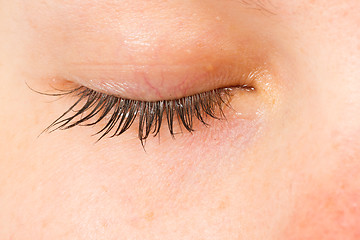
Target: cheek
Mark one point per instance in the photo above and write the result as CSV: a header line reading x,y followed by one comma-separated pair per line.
x,y
331,209
326,215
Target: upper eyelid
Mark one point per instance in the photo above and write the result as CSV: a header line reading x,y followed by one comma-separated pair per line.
x,y
161,82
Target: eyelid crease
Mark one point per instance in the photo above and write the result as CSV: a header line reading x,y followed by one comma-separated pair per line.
x,y
121,113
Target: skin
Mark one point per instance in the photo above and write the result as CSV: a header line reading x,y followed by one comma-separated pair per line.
x,y
285,165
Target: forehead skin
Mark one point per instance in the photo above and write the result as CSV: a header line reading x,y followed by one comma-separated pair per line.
x,y
299,181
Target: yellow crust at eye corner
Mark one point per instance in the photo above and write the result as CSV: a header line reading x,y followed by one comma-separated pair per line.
x,y
260,98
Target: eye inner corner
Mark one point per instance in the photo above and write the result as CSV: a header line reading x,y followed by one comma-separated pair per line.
x,y
248,88
243,87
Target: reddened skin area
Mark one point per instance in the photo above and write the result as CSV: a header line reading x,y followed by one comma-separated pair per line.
x,y
330,207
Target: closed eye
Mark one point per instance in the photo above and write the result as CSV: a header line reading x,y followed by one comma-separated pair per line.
x,y
118,114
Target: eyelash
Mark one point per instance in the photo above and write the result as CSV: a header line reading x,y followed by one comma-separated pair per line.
x,y
122,112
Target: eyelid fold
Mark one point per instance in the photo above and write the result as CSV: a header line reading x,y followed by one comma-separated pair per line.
x,y
167,63
162,73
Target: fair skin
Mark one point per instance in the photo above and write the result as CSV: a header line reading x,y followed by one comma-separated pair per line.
x,y
285,164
